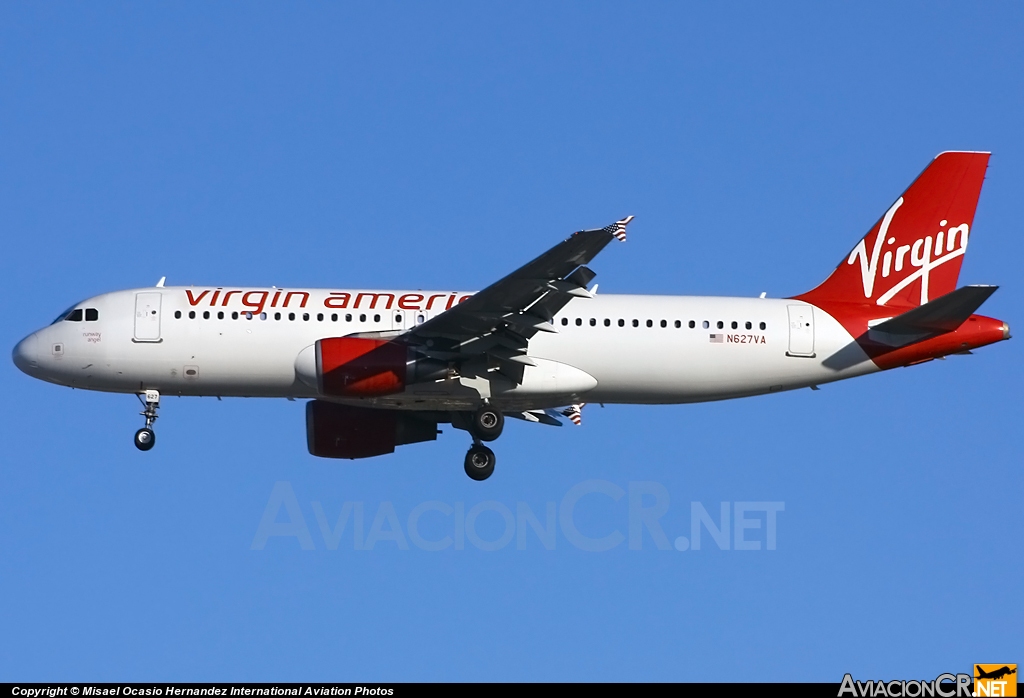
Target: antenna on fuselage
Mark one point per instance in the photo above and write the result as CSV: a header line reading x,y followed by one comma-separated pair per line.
x,y
160,283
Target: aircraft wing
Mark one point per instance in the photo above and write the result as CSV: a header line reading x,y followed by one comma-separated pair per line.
x,y
498,322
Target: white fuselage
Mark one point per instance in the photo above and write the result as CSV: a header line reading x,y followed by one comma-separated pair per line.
x,y
610,348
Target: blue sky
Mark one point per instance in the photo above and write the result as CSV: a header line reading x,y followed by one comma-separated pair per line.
x,y
442,145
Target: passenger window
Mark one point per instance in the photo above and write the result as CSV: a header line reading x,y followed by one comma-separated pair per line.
x,y
334,317
362,317
650,323
735,325
721,325
607,322
579,321
398,318
277,316
291,316
248,315
220,315
705,324
348,317
692,324
75,315
678,324
565,321
191,315
206,314
376,318
664,324
593,322
320,317
305,316
622,323
748,325
234,315
177,314
92,315
764,326
636,323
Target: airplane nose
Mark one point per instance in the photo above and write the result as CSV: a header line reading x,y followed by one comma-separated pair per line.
x,y
26,354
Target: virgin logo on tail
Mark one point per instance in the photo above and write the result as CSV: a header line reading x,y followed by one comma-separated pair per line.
x,y
920,240
924,254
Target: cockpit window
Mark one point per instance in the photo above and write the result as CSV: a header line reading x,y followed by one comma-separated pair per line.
x,y
63,315
74,314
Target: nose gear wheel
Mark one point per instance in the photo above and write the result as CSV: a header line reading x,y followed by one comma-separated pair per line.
x,y
145,438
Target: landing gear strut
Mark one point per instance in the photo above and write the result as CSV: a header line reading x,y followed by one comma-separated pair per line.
x,y
479,462
145,438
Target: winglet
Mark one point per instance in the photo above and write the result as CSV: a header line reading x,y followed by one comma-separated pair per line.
x,y
618,228
574,413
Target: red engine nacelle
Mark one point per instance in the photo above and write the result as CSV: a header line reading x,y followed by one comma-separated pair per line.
x,y
358,367
340,431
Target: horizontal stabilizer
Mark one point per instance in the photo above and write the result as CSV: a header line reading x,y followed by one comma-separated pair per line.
x,y
944,314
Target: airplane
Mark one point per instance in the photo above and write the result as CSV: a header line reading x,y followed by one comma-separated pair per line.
x,y
381,369
996,674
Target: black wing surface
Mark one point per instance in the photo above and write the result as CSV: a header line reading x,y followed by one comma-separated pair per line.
x,y
498,322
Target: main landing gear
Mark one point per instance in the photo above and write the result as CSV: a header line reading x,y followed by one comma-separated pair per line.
x,y
145,438
479,462
486,424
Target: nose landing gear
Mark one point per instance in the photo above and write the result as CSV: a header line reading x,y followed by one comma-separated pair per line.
x,y
145,438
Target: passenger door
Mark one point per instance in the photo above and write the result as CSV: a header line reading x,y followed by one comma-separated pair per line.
x,y
801,330
147,316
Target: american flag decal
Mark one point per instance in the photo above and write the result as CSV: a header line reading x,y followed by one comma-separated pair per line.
x,y
618,228
574,413
717,338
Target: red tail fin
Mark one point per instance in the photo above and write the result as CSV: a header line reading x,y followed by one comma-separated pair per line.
x,y
913,254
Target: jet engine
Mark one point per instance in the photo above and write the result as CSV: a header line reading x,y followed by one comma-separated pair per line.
x,y
361,367
341,431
